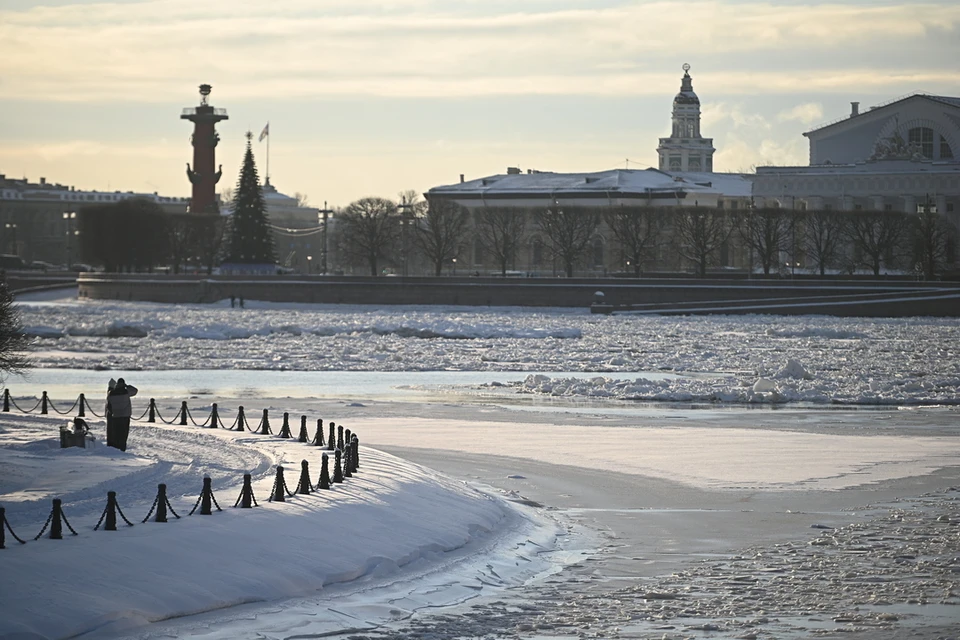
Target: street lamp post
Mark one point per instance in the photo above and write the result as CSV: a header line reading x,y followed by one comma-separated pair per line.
x,y
454,266
404,208
68,218
323,256
309,264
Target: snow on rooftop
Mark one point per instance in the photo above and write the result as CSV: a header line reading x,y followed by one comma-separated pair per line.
x,y
630,181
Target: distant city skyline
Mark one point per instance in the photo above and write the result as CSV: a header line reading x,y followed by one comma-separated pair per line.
x,y
366,98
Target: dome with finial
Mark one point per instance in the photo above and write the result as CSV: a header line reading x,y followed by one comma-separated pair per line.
x,y
686,95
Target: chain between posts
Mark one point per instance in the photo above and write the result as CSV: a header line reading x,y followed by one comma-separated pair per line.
x,y
63,413
21,409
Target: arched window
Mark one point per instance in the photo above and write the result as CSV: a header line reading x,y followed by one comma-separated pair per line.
x,y
923,138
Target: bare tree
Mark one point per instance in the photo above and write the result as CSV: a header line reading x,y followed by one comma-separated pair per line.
x,y
568,231
820,233
699,233
932,236
500,231
303,200
441,232
766,232
638,231
877,237
369,227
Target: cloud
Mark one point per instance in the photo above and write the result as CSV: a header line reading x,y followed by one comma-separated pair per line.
x,y
806,113
718,113
297,48
737,152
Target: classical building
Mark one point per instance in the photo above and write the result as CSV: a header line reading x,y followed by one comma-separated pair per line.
x,y
896,156
38,220
685,179
900,156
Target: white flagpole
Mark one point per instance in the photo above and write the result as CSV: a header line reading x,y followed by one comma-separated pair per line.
x,y
268,152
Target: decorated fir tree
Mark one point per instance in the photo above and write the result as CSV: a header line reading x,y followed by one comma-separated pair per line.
x,y
250,239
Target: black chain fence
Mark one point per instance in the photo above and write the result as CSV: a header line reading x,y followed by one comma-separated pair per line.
x,y
346,464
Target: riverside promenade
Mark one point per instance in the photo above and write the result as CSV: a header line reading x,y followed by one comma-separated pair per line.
x,y
862,297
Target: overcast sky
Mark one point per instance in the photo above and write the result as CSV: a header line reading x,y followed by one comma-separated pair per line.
x,y
371,98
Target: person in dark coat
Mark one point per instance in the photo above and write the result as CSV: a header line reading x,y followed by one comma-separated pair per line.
x,y
118,403
111,438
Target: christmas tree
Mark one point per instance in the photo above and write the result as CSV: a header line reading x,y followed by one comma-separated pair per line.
x,y
250,239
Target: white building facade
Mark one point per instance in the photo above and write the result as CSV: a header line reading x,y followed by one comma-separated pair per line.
x,y
896,156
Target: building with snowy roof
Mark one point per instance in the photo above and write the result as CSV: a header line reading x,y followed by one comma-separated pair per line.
x,y
899,156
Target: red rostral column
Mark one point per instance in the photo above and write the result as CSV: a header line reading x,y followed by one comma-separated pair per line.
x,y
202,176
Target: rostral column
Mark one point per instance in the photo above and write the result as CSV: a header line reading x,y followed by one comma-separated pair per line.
x,y
202,175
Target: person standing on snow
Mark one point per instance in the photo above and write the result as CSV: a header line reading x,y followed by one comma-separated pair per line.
x,y
111,438
118,403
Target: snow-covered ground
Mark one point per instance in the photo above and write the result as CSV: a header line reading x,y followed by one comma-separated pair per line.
x,y
388,522
724,359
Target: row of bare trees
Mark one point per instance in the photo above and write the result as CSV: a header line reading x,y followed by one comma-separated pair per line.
x,y
377,231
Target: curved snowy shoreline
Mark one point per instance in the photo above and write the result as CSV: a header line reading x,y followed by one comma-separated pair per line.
x,y
392,521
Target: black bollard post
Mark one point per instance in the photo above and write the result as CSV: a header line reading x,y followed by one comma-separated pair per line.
x,y
346,441
278,487
285,428
55,521
206,509
337,468
246,500
183,413
111,524
331,439
303,429
318,436
214,416
56,525
6,400
304,486
340,436
161,503
265,423
152,412
82,403
324,482
43,403
347,460
206,498
110,514
356,453
241,419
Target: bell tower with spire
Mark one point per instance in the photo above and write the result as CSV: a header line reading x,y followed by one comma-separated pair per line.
x,y
203,176
686,149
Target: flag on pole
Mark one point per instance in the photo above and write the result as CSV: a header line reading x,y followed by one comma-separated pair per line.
x,y
265,132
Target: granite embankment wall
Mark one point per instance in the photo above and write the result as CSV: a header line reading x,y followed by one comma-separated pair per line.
x,y
864,298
